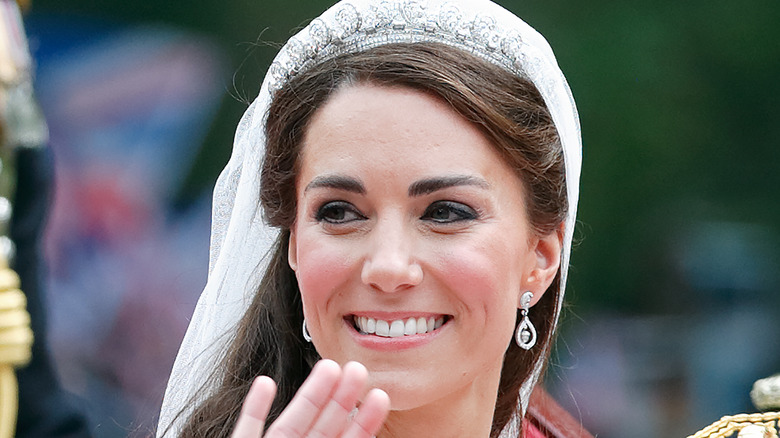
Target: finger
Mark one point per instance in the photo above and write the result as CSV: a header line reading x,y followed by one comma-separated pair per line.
x,y
335,416
308,403
255,409
371,415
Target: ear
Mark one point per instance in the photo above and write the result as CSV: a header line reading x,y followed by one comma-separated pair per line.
x,y
547,252
292,252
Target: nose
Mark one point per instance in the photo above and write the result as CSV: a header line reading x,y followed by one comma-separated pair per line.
x,y
390,265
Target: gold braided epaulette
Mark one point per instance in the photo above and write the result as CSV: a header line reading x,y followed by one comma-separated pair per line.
x,y
16,337
16,340
760,425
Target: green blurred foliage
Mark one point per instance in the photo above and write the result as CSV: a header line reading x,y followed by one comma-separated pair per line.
x,y
678,103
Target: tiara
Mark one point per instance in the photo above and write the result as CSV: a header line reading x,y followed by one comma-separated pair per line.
x,y
347,29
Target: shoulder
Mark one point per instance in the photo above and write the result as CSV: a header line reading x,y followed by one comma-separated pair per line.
x,y
547,419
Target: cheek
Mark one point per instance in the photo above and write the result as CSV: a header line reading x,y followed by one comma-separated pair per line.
x,y
322,268
484,275
486,288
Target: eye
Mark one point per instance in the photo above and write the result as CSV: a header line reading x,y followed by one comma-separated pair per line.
x,y
449,212
338,212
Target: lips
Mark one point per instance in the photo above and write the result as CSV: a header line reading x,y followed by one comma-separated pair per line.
x,y
399,327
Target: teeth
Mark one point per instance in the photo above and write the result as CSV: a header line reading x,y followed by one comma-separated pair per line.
x,y
410,328
382,328
422,326
396,329
399,327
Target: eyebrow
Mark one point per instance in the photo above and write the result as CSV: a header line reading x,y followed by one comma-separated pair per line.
x,y
430,185
418,188
339,182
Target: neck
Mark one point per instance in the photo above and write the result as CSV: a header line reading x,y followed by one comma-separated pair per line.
x,y
465,412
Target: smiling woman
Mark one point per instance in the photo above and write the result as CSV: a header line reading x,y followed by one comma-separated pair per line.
x,y
424,183
436,230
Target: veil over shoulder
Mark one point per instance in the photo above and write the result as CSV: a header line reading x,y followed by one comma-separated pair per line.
x,y
240,240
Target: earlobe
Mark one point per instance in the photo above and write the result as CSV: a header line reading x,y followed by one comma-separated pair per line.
x,y
292,252
547,251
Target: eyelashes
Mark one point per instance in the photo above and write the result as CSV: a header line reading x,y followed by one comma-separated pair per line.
x,y
439,212
445,212
338,212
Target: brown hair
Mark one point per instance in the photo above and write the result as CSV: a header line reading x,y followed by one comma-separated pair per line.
x,y
510,112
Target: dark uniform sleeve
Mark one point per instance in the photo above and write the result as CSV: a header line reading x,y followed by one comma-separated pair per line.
x,y
45,409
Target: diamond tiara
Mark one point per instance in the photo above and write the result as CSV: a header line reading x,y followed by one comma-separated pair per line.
x,y
346,29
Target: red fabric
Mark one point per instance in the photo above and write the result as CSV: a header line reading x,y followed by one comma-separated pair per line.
x,y
549,419
531,431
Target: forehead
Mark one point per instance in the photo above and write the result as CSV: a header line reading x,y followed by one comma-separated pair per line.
x,y
394,129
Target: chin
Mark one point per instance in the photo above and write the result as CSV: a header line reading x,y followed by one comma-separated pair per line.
x,y
410,394
402,400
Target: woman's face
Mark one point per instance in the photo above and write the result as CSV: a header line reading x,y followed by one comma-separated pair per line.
x,y
411,244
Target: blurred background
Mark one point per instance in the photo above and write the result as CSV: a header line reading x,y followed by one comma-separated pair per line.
x,y
673,303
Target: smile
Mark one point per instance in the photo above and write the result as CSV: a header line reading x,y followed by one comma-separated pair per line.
x,y
399,327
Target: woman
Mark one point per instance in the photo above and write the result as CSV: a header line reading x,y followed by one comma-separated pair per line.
x,y
420,161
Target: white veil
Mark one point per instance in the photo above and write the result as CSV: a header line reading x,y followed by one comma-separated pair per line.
x,y
240,241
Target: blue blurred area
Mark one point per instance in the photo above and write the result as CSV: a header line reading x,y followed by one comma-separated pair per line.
x,y
672,373
128,107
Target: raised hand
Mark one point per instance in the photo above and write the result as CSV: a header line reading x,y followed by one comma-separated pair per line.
x,y
322,407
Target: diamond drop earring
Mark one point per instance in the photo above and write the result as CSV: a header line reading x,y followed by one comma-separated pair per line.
x,y
306,335
525,335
